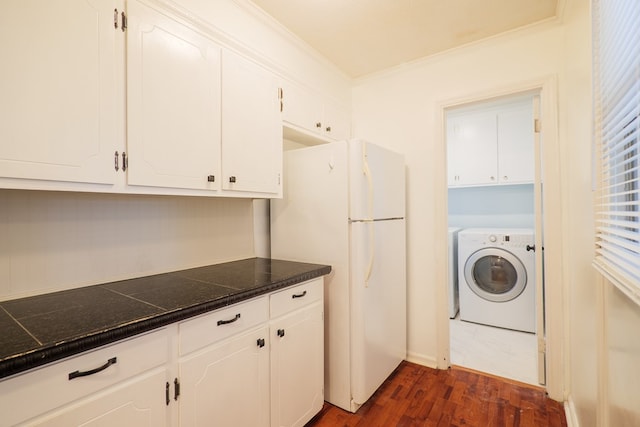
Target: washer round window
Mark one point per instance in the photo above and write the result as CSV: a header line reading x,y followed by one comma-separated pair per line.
x,y
495,274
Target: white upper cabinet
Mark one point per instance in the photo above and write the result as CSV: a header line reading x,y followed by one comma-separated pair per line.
x,y
311,115
251,127
491,146
173,103
57,80
516,161
472,145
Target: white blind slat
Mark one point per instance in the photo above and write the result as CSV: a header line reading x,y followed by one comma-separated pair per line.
x,y
616,71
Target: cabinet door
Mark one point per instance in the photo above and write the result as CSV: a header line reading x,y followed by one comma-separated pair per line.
x,y
173,103
337,122
297,367
301,108
227,385
57,80
251,127
515,144
139,402
474,157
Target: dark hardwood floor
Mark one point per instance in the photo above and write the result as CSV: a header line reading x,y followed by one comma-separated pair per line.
x,y
415,396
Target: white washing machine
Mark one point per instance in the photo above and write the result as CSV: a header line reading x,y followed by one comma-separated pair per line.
x,y
496,272
453,272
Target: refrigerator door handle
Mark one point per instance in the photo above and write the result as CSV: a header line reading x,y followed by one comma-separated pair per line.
x,y
367,173
371,255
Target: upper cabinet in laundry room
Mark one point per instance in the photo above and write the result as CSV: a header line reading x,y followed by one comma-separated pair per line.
x,y
58,86
491,145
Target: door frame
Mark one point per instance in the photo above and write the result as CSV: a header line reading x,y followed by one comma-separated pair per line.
x,y
554,313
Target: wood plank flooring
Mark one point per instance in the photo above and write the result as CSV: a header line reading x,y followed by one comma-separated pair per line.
x,y
417,396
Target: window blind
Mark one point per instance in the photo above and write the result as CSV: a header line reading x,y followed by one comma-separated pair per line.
x,y
616,66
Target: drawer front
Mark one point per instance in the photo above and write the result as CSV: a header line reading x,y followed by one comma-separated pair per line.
x,y
296,297
36,392
209,328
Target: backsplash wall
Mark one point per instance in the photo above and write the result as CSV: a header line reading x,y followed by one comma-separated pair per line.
x,y
55,240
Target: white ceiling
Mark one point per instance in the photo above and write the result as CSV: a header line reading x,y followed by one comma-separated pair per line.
x,y
364,36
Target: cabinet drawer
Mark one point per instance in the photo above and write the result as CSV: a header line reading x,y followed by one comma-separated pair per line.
x,y
41,390
295,297
211,327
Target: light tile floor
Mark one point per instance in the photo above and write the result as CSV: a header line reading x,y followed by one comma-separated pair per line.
x,y
501,352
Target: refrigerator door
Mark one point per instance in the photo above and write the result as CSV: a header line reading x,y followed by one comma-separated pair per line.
x,y
376,182
378,305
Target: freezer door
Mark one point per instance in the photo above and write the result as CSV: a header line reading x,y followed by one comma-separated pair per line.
x,y
378,304
376,182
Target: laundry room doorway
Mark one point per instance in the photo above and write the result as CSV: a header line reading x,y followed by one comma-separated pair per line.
x,y
495,280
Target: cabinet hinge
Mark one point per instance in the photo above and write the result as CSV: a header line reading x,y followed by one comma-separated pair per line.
x,y
281,97
279,179
176,389
542,345
537,125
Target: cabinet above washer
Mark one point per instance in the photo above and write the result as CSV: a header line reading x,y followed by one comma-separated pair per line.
x,y
491,145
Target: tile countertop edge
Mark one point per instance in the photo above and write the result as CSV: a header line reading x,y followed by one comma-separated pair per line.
x,y
42,356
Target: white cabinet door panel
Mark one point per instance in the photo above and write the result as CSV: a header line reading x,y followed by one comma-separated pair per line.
x,y
227,384
251,127
515,145
474,138
297,367
173,100
140,402
57,80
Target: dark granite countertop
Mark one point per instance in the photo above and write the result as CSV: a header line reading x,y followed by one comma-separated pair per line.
x,y
41,329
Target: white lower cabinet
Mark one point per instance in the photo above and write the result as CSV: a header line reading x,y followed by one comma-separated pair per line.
x,y
257,363
227,385
137,402
271,374
121,384
297,366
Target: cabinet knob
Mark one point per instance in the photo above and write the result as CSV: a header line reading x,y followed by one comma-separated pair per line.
x,y
211,178
493,178
260,342
280,333
328,128
232,179
505,177
318,125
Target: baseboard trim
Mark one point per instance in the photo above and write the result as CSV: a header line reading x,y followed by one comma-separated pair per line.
x,y
421,359
570,413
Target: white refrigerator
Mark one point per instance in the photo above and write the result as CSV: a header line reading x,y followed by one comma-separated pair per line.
x,y
344,205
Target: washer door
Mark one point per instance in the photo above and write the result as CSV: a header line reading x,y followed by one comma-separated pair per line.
x,y
495,274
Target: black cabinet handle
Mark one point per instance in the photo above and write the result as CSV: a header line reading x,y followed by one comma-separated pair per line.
x,y
232,179
299,295
166,393
226,322
260,342
280,333
531,248
76,374
211,178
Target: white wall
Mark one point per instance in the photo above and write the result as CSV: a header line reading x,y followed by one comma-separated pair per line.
x,y
399,109
498,206
54,240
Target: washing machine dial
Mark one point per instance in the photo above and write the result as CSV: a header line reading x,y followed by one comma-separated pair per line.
x,y
493,238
